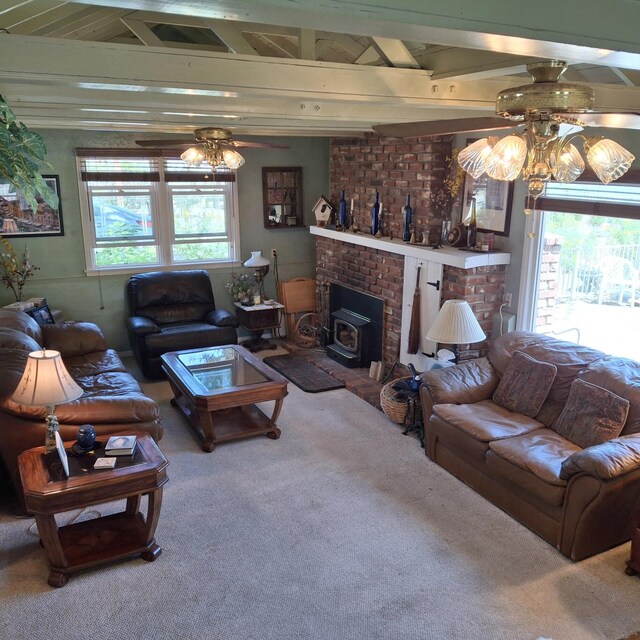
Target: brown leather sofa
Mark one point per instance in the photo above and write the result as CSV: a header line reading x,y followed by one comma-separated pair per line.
x,y
112,400
174,310
581,500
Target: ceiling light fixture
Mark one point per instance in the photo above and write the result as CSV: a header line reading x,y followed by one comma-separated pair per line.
x,y
540,154
214,150
543,152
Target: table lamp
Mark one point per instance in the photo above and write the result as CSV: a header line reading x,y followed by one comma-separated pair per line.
x,y
46,382
455,324
260,266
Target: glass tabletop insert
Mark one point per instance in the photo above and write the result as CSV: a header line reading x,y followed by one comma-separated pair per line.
x,y
221,368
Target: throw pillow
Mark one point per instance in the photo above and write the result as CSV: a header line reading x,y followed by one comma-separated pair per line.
x,y
525,384
592,415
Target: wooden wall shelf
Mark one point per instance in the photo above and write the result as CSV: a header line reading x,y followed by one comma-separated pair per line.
x,y
282,197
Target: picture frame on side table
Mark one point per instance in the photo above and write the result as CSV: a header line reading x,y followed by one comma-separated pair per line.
x,y
62,453
494,199
18,220
42,315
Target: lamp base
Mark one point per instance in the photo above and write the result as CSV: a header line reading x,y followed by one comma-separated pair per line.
x,y
52,427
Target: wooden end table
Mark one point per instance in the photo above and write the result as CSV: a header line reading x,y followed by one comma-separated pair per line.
x,y
77,546
258,318
216,390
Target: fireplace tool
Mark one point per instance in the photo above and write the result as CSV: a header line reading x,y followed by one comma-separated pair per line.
x,y
323,295
414,329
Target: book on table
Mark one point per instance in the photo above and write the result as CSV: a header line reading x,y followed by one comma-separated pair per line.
x,y
120,446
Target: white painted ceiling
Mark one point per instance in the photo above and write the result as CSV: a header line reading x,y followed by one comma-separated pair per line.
x,y
296,67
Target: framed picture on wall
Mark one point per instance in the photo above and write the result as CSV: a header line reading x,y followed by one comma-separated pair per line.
x,y
18,219
494,199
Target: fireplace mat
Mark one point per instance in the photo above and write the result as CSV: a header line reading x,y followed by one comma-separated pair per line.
x,y
303,374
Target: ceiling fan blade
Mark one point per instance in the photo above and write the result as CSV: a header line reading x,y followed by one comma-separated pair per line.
x,y
441,127
613,120
240,143
181,142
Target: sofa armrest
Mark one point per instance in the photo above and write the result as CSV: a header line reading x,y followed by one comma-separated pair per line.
x,y
74,338
222,318
468,382
606,461
141,326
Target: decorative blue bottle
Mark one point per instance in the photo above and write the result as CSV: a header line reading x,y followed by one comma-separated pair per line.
x,y
342,212
375,216
407,214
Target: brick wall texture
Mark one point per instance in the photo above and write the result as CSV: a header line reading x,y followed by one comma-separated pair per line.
x,y
395,168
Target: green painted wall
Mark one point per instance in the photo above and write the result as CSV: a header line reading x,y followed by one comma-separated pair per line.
x,y
62,279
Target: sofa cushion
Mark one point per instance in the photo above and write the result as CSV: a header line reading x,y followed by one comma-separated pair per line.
x,y
532,462
74,338
592,415
622,376
12,365
21,322
525,384
191,335
168,313
92,363
485,420
568,358
14,339
541,452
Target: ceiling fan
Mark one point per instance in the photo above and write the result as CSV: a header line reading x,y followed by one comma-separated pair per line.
x,y
212,145
542,150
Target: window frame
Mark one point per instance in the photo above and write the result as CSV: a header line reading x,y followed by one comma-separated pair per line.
x,y
162,216
534,236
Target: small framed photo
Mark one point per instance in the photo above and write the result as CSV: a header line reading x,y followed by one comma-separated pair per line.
x,y
19,220
494,199
62,453
42,315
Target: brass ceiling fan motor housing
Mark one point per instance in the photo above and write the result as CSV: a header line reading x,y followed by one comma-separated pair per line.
x,y
212,134
546,95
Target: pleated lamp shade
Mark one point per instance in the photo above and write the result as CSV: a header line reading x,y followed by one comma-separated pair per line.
x,y
456,324
46,381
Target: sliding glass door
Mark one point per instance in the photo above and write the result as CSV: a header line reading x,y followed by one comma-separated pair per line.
x,y
585,285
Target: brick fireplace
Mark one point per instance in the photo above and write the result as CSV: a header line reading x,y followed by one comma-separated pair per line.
x,y
386,267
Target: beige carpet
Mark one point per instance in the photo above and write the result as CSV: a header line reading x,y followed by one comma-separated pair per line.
x,y
342,529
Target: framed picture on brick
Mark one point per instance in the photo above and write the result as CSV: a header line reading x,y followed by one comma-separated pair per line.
x,y
494,199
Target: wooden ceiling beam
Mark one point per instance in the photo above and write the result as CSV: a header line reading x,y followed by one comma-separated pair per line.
x,y
395,53
307,44
142,32
231,36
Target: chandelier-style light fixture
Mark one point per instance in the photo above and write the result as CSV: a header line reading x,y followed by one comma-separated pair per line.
x,y
540,153
213,148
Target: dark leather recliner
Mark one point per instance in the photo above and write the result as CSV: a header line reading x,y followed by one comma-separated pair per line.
x,y
171,311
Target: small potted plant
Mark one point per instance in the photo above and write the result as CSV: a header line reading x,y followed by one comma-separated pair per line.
x,y
242,288
15,272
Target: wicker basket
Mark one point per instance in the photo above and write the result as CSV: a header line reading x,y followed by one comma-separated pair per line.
x,y
399,410
307,330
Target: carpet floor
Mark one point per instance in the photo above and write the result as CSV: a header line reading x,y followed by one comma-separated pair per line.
x,y
341,529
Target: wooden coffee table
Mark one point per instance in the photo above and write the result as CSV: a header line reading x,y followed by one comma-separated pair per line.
x,y
48,491
217,388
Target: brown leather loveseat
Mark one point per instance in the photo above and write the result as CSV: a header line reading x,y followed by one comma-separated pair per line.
x,y
570,469
112,401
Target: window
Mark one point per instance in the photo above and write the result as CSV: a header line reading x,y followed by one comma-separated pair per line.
x,y
584,278
143,210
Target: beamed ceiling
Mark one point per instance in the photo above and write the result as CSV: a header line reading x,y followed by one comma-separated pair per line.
x,y
286,67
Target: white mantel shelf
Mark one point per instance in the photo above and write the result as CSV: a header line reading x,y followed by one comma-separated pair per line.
x,y
446,255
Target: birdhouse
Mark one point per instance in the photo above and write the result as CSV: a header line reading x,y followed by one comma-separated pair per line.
x,y
322,210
